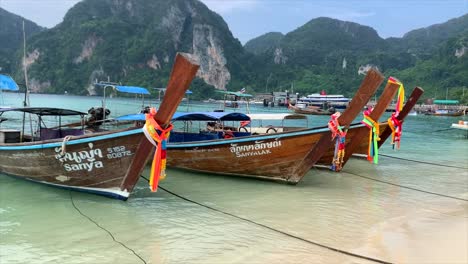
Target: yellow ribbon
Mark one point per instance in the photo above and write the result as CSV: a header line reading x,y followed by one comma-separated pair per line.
x,y
374,132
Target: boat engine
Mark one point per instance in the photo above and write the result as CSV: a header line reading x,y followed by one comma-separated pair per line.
x,y
145,110
96,116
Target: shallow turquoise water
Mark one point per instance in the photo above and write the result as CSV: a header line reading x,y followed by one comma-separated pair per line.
x,y
415,213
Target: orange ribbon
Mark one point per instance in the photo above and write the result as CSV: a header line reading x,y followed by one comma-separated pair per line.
x,y
158,137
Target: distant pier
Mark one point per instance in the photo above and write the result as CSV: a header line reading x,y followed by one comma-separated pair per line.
x,y
424,108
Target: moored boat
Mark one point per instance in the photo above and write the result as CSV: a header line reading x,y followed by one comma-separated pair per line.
x,y
336,101
108,163
77,159
278,156
393,127
274,156
461,125
304,109
338,137
445,112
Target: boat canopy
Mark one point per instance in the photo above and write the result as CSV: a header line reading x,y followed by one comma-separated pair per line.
x,y
238,94
211,116
7,83
132,89
446,102
193,116
279,116
43,111
125,89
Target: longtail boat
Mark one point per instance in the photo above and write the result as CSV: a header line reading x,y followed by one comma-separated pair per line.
x,y
446,112
277,156
315,110
108,163
361,148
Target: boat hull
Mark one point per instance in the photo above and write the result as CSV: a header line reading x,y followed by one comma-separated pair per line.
x,y
272,156
446,113
97,163
312,112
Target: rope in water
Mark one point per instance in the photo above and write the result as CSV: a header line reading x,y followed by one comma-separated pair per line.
x,y
424,162
101,227
407,187
439,130
276,230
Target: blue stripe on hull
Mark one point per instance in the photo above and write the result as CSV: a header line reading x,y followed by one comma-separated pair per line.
x,y
73,142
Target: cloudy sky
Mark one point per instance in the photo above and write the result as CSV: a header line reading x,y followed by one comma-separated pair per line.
x,y
248,19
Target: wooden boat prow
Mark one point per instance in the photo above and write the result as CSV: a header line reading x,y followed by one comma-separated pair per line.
x,y
360,148
368,87
108,163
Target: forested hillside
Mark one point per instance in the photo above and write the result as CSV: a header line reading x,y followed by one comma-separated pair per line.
x,y
135,41
330,54
11,37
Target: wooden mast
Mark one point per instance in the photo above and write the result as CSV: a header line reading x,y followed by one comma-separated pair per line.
x,y
368,87
384,100
26,84
417,92
25,69
184,70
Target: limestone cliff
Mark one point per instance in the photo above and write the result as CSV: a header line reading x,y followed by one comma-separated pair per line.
x,y
131,41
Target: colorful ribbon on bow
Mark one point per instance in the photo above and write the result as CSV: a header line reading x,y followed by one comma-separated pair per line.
x,y
373,150
400,96
395,124
158,137
340,135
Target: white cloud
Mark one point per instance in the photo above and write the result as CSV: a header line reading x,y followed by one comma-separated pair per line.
x,y
226,6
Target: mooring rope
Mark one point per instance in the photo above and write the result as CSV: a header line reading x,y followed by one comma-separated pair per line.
x,y
274,229
439,130
64,144
424,162
407,187
101,227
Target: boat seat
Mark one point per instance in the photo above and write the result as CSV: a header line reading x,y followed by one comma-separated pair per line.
x,y
48,133
71,132
10,136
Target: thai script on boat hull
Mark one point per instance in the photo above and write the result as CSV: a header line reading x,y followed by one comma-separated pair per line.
x,y
257,149
80,160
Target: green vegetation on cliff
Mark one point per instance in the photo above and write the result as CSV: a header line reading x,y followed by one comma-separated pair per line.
x,y
11,36
134,42
328,54
268,41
